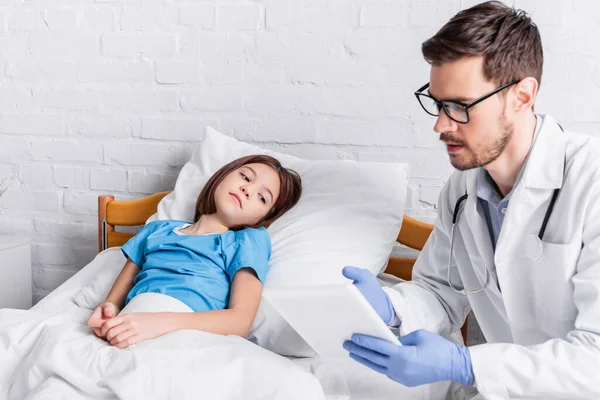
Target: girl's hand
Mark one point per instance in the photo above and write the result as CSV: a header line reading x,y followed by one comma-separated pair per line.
x,y
126,330
101,314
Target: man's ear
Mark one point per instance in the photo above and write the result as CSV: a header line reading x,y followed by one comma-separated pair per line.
x,y
525,94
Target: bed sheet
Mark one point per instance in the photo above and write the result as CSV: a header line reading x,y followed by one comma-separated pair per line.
x,y
340,379
349,380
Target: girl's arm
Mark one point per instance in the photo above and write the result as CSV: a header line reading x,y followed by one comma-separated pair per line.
x,y
123,284
246,291
115,300
244,299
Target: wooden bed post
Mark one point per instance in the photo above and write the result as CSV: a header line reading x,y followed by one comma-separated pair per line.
x,y
103,226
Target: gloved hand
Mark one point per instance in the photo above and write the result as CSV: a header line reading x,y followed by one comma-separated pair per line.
x,y
370,288
425,357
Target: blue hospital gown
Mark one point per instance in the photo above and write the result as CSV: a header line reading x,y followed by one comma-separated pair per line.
x,y
195,269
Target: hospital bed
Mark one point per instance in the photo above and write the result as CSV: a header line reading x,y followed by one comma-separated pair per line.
x,y
343,379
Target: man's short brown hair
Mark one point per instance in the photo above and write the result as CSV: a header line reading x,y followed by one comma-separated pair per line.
x,y
507,39
289,192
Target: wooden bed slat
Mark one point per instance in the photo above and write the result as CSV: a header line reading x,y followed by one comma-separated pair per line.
x,y
116,239
400,267
132,212
414,233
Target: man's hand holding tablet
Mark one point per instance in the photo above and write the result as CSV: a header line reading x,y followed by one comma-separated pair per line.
x,y
415,359
369,287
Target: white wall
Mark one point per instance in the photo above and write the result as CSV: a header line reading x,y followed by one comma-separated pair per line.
x,y
109,96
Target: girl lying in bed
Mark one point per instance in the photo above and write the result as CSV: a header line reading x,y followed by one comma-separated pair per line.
x,y
209,272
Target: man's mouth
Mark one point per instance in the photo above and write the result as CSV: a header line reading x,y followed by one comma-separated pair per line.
x,y
237,198
453,147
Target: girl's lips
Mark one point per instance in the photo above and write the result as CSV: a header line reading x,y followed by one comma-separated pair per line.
x,y
237,198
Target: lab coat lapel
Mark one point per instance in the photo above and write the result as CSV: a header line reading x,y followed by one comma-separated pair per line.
x,y
543,173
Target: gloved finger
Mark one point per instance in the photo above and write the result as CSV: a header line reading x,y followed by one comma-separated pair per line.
x,y
365,362
373,356
376,344
354,273
414,338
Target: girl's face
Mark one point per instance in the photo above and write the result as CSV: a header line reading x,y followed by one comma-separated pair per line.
x,y
247,194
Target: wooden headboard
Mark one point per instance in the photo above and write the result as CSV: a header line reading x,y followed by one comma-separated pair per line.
x,y
112,213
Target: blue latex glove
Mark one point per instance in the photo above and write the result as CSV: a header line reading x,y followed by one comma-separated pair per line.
x,y
370,288
425,357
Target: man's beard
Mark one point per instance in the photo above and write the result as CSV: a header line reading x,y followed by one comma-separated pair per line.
x,y
487,152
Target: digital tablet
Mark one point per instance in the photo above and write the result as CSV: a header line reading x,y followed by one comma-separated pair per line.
x,y
326,316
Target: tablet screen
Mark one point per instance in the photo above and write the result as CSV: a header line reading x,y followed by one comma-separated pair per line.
x,y
326,316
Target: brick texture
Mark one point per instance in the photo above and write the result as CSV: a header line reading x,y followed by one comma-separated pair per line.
x,y
111,96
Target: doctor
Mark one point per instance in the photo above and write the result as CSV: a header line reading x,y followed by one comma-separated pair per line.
x,y
517,236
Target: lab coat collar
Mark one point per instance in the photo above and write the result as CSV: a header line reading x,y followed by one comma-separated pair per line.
x,y
545,166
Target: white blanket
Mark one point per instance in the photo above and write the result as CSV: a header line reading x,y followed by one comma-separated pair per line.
x,y
57,357
340,380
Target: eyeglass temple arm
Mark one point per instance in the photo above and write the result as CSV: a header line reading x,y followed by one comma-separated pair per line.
x,y
487,96
425,86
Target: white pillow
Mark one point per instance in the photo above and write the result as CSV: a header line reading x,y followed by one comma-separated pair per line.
x,y
350,213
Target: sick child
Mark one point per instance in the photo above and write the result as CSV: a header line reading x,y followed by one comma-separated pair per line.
x,y
207,274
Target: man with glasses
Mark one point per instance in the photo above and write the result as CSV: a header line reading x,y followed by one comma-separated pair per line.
x,y
517,236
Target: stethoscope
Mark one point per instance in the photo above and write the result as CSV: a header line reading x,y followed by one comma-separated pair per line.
x,y
533,245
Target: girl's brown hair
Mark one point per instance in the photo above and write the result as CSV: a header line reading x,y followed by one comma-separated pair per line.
x,y
289,193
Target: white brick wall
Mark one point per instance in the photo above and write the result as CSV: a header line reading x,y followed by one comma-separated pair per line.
x,y
109,96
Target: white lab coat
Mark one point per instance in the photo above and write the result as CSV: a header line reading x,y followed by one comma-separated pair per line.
x,y
543,326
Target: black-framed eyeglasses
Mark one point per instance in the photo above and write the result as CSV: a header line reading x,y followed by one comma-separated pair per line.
x,y
456,111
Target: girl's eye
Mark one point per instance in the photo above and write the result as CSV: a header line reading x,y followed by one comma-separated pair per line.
x,y
245,177
263,200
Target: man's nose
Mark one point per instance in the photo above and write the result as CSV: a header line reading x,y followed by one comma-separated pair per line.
x,y
444,123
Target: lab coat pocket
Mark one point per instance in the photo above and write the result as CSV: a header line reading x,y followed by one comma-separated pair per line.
x,y
552,273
